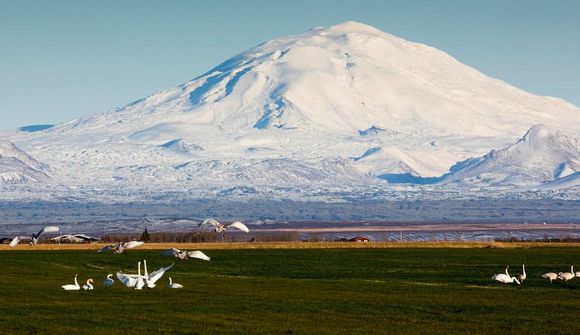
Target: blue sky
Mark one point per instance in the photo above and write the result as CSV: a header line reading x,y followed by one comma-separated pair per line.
x,y
63,59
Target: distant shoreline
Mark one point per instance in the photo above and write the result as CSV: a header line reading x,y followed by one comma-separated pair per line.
x,y
299,245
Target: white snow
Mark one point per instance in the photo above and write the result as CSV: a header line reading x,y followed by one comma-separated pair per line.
x,y
17,167
336,110
540,156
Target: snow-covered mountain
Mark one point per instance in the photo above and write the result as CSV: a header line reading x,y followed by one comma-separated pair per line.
x,y
341,110
540,156
16,166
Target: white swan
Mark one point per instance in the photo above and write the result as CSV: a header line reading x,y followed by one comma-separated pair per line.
x,y
565,276
151,279
522,276
72,287
120,247
181,254
173,285
221,228
108,282
88,286
550,276
505,278
131,280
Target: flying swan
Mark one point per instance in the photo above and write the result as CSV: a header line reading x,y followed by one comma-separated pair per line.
x,y
221,228
120,247
182,254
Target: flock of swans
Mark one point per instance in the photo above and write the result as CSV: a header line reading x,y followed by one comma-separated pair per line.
x,y
33,238
139,280
120,247
505,278
76,287
136,281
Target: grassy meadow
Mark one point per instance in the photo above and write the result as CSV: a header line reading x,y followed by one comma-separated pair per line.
x,y
293,291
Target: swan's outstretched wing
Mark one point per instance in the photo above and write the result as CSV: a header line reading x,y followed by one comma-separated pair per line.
x,y
155,275
198,254
133,244
47,229
240,226
210,222
127,280
14,241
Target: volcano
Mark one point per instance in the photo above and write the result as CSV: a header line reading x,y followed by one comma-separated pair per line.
x,y
330,111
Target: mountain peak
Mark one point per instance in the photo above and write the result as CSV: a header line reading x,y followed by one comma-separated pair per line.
x,y
352,27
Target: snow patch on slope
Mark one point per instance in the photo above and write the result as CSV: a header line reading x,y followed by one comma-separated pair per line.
x,y
16,166
181,146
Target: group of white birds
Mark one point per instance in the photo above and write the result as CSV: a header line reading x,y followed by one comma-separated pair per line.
x,y
76,287
505,278
565,276
135,281
138,281
33,238
118,248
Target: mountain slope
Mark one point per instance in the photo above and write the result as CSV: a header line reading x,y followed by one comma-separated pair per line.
x,y
342,109
16,166
540,156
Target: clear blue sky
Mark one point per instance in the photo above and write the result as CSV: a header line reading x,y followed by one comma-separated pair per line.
x,y
63,59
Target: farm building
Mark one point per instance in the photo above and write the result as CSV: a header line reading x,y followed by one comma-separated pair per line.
x,y
359,239
77,238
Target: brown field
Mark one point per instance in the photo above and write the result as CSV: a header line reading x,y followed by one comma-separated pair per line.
x,y
299,245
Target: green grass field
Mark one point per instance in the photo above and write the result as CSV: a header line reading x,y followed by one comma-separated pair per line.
x,y
307,291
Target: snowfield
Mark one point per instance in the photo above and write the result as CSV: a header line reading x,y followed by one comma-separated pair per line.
x,y
331,114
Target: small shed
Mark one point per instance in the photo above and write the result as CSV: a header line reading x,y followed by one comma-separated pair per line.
x,y
359,239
